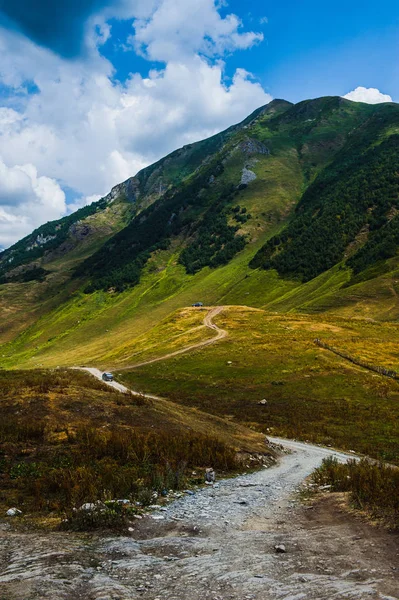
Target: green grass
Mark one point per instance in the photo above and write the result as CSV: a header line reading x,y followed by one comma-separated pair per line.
x,y
311,394
105,328
53,323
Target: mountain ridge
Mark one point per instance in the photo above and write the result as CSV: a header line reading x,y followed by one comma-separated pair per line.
x,y
147,181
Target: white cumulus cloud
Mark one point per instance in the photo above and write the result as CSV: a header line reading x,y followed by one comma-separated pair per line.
x,y
80,129
25,199
178,27
368,95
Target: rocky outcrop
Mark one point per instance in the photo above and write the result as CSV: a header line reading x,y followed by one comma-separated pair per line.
x,y
247,176
41,240
129,189
252,146
80,230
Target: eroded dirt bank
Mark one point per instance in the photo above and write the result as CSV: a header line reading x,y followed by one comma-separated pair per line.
x,y
219,544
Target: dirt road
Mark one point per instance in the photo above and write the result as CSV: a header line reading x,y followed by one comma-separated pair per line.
x,y
216,544
208,322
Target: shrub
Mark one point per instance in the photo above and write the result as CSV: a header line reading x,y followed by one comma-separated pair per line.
x,y
373,487
57,452
21,429
101,517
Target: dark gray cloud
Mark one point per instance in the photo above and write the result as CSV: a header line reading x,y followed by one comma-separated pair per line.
x,y
55,24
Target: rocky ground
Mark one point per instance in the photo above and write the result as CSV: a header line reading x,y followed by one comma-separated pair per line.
x,y
218,544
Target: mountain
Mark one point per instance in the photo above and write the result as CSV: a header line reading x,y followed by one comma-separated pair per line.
x,y
349,211
97,222
295,208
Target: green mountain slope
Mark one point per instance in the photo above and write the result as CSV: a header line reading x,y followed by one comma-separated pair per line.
x,y
286,211
205,208
358,193
93,224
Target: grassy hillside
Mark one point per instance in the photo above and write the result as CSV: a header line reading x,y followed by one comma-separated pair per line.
x,y
289,220
67,438
108,329
311,393
352,202
197,239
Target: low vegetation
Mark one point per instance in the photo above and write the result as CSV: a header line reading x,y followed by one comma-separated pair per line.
x,y
372,487
68,439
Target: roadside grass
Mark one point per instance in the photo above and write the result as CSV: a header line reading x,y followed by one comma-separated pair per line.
x,y
67,439
372,487
310,393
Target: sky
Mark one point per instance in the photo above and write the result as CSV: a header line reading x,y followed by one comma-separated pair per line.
x,y
91,91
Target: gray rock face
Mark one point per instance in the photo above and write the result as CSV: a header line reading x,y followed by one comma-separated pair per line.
x,y
41,240
79,230
247,176
129,189
251,146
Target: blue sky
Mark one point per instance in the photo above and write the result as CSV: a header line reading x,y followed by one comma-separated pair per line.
x,y
309,49
315,48
92,90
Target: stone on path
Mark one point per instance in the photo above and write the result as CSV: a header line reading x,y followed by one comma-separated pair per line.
x,y
210,476
13,512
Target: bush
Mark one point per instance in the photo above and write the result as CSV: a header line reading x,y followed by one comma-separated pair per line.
x,y
373,487
57,452
101,517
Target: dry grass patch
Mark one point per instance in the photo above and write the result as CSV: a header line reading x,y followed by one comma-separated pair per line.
x,y
67,438
372,487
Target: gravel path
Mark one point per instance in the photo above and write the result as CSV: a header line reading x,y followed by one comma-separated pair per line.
x,y
218,544
228,503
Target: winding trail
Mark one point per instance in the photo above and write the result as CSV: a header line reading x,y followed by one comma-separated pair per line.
x,y
217,543
208,322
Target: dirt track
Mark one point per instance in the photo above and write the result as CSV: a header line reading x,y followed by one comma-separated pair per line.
x,y
208,322
217,544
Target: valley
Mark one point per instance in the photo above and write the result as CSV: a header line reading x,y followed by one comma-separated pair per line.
x,y
285,228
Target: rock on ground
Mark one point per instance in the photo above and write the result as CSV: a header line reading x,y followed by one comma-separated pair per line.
x,y
217,544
